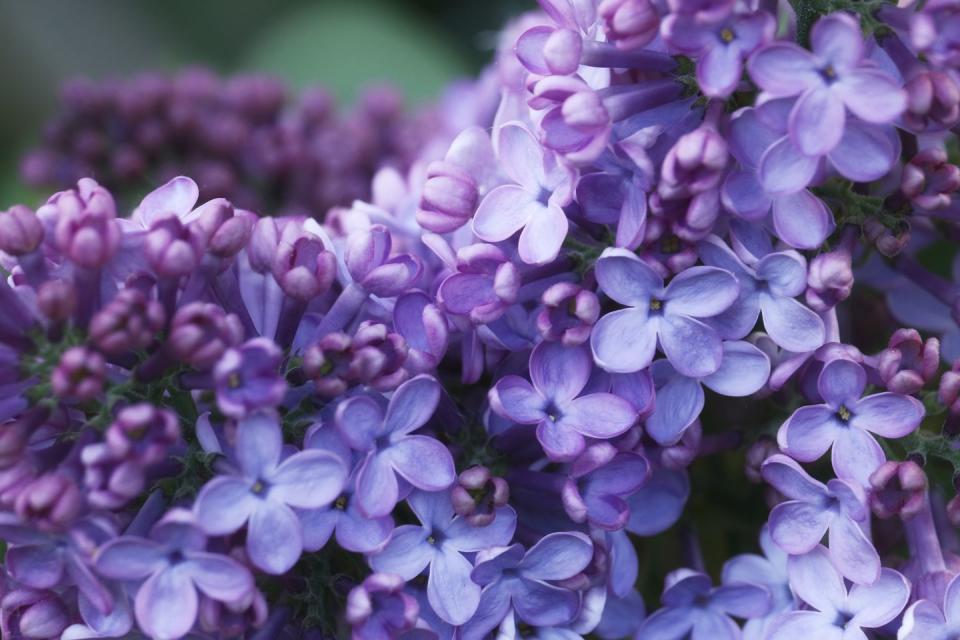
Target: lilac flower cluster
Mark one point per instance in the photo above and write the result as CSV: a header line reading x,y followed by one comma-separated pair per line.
x,y
695,236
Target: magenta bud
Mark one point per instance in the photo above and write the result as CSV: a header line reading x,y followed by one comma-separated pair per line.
x,y
172,248
889,242
304,269
477,494
57,300
21,232
327,362
262,247
449,198
51,502
79,375
630,24
908,362
142,433
225,229
86,229
757,454
829,280
694,164
898,489
933,101
200,332
129,322
569,313
381,595
33,615
929,180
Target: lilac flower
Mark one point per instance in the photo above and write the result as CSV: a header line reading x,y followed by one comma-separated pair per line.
x,y
659,503
721,46
173,566
485,285
600,478
247,378
521,582
835,613
424,328
625,341
569,313
693,608
86,229
813,509
534,204
440,543
263,490
129,322
769,571
832,80
768,288
79,375
478,495
27,613
378,608
200,332
926,620
388,447
845,422
367,257
554,402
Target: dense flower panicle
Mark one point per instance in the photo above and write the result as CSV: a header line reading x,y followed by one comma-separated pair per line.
x,y
459,375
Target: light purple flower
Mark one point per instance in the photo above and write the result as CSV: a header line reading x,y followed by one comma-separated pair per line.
x,y
554,402
693,608
845,421
248,378
534,204
378,608
832,80
925,620
367,257
598,482
625,341
440,543
173,566
835,613
263,491
389,448
424,328
769,571
813,509
484,286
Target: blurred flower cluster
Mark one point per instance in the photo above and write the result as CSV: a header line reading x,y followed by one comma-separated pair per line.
x,y
658,253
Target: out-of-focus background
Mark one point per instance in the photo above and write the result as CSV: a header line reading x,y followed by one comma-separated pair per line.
x,y
416,45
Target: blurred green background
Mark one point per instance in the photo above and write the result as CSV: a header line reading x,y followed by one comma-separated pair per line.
x,y
416,45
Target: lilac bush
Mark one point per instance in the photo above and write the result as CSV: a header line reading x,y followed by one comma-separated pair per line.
x,y
551,369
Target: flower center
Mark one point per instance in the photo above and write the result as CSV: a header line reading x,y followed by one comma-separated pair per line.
x,y
828,73
233,380
340,503
656,305
727,35
844,414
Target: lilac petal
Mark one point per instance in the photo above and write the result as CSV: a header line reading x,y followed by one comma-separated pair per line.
x,y
791,325
714,252
97,595
361,534
739,320
559,442
377,488
693,348
837,40
742,600
856,455
890,415
679,402
128,558
797,527
816,121
791,480
751,134
802,220
559,372
520,155
530,48
784,169
802,625
700,292
871,95
516,398
659,503
557,556
842,383
632,222
599,415
627,279
360,422
621,617
463,536
308,480
921,620
852,552
667,623
624,566
543,235
317,526
176,198
503,212
166,604
624,341
607,512
433,509
493,608
808,432
783,69
452,594
951,601
423,462
708,625
219,577
877,604
38,565
743,195
815,580
411,405
637,388
686,34
743,371
258,444
223,505
623,475
719,70
461,293
545,605
274,538
785,273
865,153
407,554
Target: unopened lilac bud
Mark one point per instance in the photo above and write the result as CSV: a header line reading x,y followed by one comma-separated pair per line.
x,y
327,364
684,452
57,300
898,489
172,248
953,511
33,615
378,356
304,269
889,242
908,362
225,229
368,260
477,494
933,101
550,51
380,604
694,164
948,392
829,280
142,433
630,24
86,230
129,322
929,180
79,375
486,283
21,232
757,454
449,198
14,435
262,247
51,502
569,313
200,332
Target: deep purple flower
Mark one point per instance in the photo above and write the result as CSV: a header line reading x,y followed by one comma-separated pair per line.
x,y
389,448
21,231
86,229
908,362
836,613
174,566
32,614
625,340
534,204
79,375
440,543
554,403
264,489
379,608
813,509
477,495
768,571
569,314
129,322
898,489
845,422
369,263
599,480
303,267
200,332
929,180
485,284
172,248
248,378
695,609
832,80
